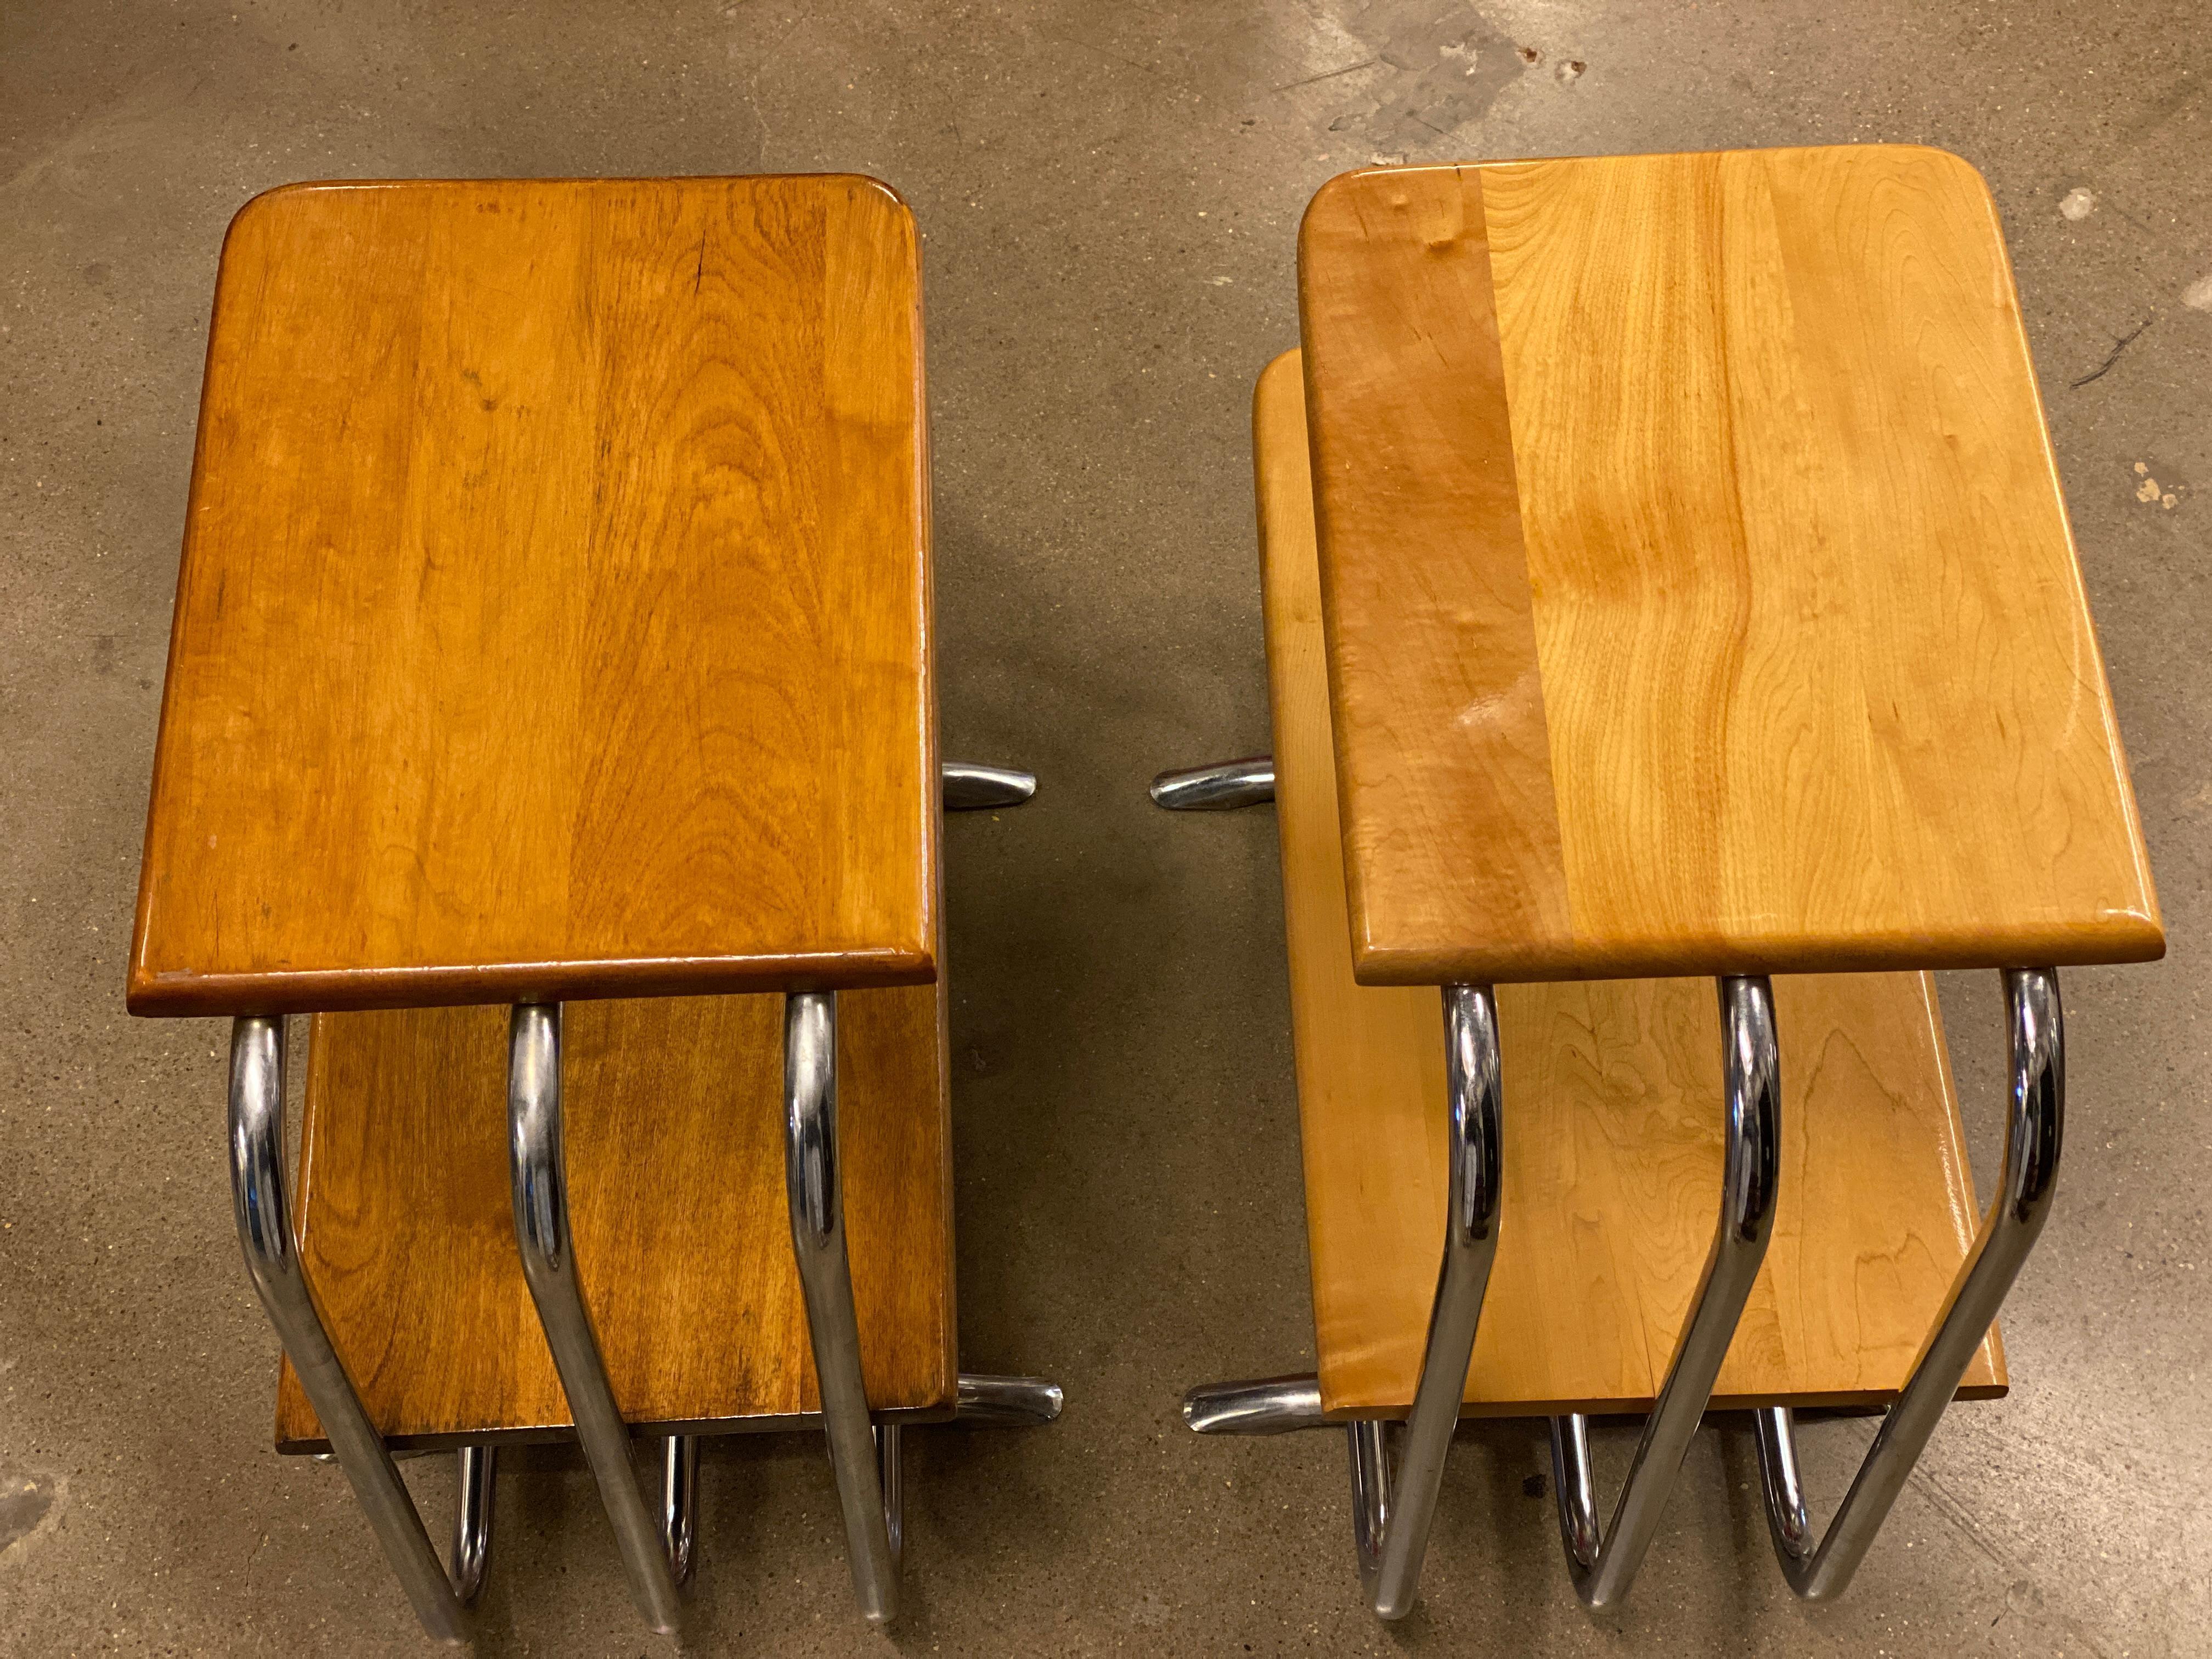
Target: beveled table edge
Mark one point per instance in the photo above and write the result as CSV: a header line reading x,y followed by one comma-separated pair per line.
x,y
2116,938
481,181
1336,184
349,990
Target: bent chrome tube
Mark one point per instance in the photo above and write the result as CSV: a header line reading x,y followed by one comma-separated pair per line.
x,y
679,1502
1219,788
969,787
891,1479
474,1467
1369,1443
1006,1402
538,1174
272,1258
813,1187
2025,1187
1603,1565
1391,1519
1267,1405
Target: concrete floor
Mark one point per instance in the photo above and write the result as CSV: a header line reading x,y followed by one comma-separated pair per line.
x,y
1109,195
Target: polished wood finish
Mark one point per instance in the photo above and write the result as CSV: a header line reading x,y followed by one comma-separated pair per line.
x,y
1611,1126
1699,595
554,618
674,1121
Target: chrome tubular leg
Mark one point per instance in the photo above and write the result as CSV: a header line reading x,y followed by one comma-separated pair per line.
x,y
1391,1519
890,1477
272,1257
1267,1405
825,1278
474,1467
1006,1402
539,1177
679,1501
1603,1565
1369,1445
2025,1187
969,787
1247,782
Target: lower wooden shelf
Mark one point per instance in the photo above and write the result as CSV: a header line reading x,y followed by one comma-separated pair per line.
x,y
674,1121
1611,1127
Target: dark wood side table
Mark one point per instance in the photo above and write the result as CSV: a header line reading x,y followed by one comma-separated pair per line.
x,y
554,626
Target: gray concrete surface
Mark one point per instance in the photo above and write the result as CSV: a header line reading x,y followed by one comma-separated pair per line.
x,y
1109,195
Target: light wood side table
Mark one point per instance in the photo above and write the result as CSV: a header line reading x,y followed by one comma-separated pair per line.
x,y
1665,576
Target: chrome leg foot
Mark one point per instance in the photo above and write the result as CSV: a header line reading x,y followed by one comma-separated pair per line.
x,y
818,1236
474,1467
1006,1402
969,787
1391,1520
272,1257
539,1177
679,1502
1820,1570
1249,783
1603,1565
1267,1405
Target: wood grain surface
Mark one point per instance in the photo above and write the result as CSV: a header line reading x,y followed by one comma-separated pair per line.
x,y
674,1123
1612,1125
554,618
1699,592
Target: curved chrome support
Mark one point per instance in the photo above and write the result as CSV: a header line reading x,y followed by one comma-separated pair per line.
x,y
818,1236
1603,1565
969,787
474,1467
1247,782
1265,1405
1006,1402
679,1502
1390,1527
537,1170
272,1257
2016,1215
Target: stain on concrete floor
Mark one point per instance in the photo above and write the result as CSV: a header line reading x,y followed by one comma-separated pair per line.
x,y
1447,67
28,1506
1126,1179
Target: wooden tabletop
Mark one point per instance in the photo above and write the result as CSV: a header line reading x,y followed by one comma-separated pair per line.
x,y
555,611
1699,594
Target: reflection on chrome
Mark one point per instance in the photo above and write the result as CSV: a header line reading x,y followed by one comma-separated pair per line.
x,y
2035,1125
1603,1565
814,1188
969,787
1391,1513
1220,788
260,1202
1267,1405
537,1171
